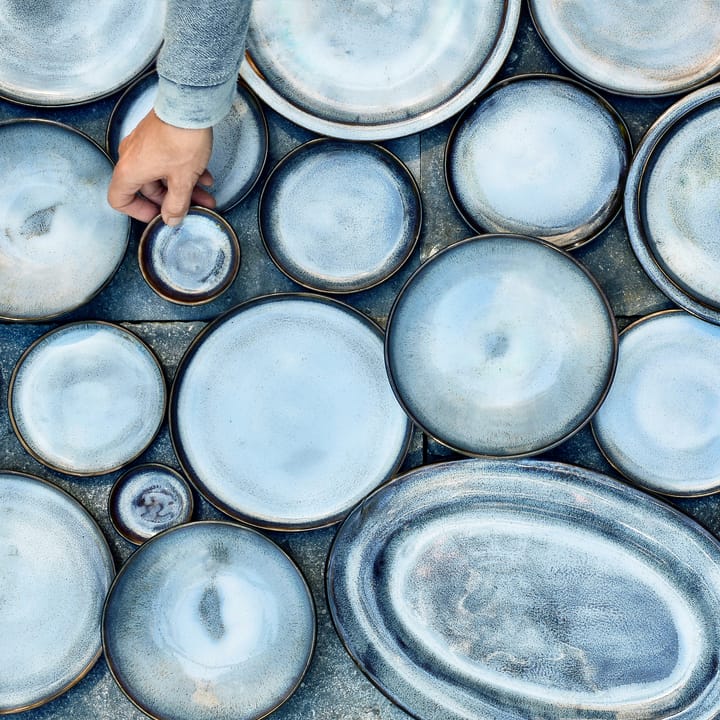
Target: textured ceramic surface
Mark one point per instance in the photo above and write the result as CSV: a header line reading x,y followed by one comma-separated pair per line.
x,y
148,499
659,422
540,156
75,51
190,263
340,217
55,570
374,70
511,590
209,621
501,345
240,140
87,398
282,414
60,242
649,48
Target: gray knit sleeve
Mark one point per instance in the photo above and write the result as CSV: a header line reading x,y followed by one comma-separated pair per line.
x,y
199,60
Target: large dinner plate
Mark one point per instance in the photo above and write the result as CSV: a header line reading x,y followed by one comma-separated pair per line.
x,y
65,53
87,398
659,424
514,590
374,70
282,414
671,203
60,242
654,47
209,621
55,570
501,345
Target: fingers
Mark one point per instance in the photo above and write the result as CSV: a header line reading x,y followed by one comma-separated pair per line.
x,y
176,202
123,196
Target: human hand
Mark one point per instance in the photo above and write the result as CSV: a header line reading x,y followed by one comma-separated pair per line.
x,y
159,170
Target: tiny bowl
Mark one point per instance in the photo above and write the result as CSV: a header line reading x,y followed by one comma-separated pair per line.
x,y
191,263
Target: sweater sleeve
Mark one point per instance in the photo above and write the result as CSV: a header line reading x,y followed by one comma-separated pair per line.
x,y
204,44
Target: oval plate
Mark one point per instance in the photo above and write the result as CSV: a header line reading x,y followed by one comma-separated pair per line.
x,y
375,70
55,570
60,242
514,590
340,217
282,415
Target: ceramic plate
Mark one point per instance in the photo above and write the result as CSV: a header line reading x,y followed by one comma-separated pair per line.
x,y
501,345
653,47
87,398
670,203
55,570
60,242
539,155
72,52
375,70
209,621
240,140
282,414
148,499
659,423
340,217
514,590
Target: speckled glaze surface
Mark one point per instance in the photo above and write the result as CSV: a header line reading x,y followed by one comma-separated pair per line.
x,y
209,621
75,51
509,590
282,414
371,70
659,422
541,156
55,570
240,140
148,499
340,217
60,242
87,397
649,48
501,345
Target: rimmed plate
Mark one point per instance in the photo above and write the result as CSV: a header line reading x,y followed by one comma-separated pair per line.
x,y
209,621
658,425
240,140
375,70
87,398
148,499
73,52
510,590
340,217
501,345
60,242
649,48
281,413
55,570
539,155
670,202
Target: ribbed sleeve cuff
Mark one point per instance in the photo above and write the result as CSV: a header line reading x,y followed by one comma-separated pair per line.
x,y
190,106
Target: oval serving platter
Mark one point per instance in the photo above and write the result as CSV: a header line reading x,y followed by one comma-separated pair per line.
x,y
60,242
340,217
501,345
660,423
509,590
74,52
375,70
649,48
55,571
87,398
240,140
281,413
539,155
209,621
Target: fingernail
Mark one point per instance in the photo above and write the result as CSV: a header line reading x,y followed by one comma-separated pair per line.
x,y
172,221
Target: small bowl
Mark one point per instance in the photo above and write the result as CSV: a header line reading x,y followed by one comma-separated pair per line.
x,y
191,263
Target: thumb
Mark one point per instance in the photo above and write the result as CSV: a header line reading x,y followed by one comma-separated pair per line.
x,y
176,202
